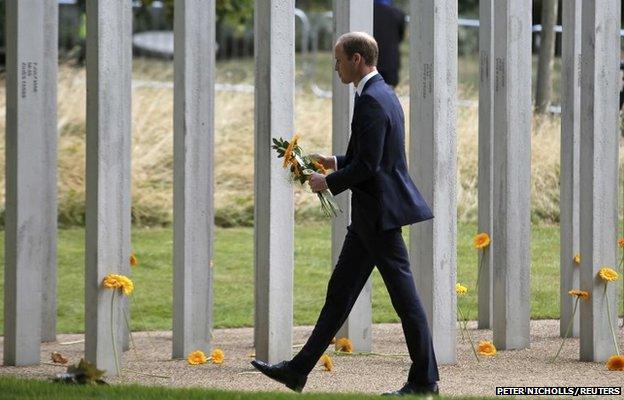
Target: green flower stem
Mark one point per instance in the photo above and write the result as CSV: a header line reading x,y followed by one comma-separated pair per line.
x,y
53,364
606,294
567,332
468,333
146,374
388,355
461,330
479,272
466,324
622,264
370,353
112,324
462,325
142,321
128,326
365,353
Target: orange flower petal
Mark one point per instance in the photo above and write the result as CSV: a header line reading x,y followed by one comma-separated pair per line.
x,y
345,345
327,362
217,356
608,274
615,363
196,358
487,348
481,240
460,289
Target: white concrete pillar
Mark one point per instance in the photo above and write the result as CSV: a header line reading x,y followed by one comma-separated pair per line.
x,y
486,136
193,211
349,16
512,174
433,164
30,247
109,68
49,84
600,81
569,170
274,209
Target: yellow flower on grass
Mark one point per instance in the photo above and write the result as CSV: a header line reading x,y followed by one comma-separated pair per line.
x,y
345,345
289,149
134,261
460,289
196,358
217,356
608,274
115,281
481,240
615,363
487,348
327,362
579,293
577,259
621,242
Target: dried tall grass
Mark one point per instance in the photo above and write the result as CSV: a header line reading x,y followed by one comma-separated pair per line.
x,y
152,151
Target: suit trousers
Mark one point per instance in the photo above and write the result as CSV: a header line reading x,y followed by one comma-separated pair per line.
x,y
360,254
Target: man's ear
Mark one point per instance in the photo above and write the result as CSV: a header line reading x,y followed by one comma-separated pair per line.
x,y
357,58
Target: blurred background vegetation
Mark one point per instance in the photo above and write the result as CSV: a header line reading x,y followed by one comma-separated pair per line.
x,y
152,108
234,18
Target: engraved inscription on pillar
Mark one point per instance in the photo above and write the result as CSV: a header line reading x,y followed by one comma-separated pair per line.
x,y
500,74
30,78
578,70
485,66
427,80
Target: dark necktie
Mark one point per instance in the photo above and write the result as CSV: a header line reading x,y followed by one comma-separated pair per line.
x,y
357,97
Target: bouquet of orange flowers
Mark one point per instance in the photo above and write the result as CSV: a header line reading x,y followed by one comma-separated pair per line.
x,y
301,166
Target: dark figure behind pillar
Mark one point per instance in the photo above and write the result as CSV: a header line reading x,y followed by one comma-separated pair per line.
x,y
389,31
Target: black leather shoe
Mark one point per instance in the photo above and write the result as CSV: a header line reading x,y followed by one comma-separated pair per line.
x,y
413,390
282,373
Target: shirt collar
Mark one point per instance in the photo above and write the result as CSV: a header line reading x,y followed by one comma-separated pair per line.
x,y
363,81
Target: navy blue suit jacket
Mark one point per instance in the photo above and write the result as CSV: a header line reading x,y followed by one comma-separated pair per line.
x,y
375,167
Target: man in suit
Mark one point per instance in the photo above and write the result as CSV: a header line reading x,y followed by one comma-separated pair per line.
x,y
389,31
384,198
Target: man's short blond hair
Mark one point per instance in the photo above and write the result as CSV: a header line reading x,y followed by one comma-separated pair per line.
x,y
362,43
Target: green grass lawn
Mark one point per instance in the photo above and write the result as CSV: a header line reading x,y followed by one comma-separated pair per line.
x,y
13,388
233,283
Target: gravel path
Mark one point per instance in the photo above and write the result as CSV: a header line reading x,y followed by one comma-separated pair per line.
x,y
366,374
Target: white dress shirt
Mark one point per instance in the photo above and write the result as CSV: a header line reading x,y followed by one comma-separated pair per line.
x,y
363,81
358,90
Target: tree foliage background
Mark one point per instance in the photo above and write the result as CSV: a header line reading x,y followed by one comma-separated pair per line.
x,y
234,12
240,12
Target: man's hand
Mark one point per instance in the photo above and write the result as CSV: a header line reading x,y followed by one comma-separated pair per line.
x,y
328,162
317,182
